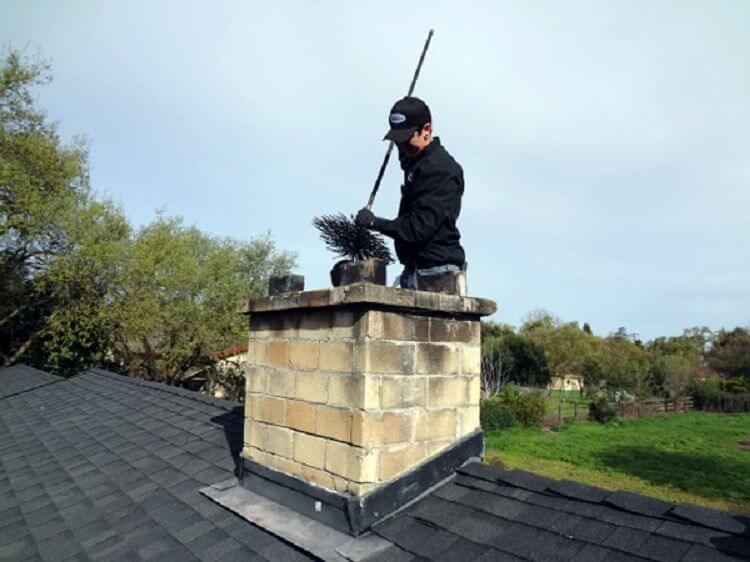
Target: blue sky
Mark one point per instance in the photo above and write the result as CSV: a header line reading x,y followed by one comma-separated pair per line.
x,y
605,145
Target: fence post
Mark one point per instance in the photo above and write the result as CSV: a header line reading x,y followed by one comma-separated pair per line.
x,y
666,405
559,412
575,410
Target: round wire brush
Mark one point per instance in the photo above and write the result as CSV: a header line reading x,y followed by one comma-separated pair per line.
x,y
351,241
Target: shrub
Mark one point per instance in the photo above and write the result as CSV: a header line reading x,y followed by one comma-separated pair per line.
x,y
494,413
511,407
530,408
602,410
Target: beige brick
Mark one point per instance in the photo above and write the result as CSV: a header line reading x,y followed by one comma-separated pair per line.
x,y
476,332
311,386
336,355
434,447
445,330
468,420
438,359
421,328
341,485
353,391
333,422
350,462
397,326
280,382
384,357
403,392
255,434
343,324
300,415
304,354
271,410
370,325
315,324
279,441
475,390
435,424
447,391
319,477
272,353
398,459
471,360
284,465
251,406
360,489
377,428
256,378
309,450
250,353
255,454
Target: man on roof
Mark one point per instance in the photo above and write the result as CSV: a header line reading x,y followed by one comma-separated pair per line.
x,y
424,232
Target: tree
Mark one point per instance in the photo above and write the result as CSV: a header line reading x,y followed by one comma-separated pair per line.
x,y
178,296
52,232
730,353
511,357
565,345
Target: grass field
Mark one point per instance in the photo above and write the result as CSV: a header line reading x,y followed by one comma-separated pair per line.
x,y
696,457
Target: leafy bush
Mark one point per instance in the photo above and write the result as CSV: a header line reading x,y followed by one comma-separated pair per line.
x,y
736,386
720,395
530,408
706,393
494,413
511,407
602,410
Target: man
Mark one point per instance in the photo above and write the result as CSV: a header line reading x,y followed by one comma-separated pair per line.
x,y
424,232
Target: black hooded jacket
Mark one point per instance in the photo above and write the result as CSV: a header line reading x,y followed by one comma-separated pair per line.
x,y
425,232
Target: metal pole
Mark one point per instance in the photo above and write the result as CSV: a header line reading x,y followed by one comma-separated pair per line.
x,y
390,144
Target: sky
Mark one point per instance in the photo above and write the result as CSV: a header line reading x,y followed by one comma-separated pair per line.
x,y
605,144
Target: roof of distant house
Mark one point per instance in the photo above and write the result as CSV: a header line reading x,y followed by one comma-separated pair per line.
x,y
102,466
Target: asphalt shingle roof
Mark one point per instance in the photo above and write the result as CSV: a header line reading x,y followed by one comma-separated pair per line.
x,y
106,467
490,514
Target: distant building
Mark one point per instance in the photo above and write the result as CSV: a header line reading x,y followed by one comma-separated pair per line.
x,y
566,382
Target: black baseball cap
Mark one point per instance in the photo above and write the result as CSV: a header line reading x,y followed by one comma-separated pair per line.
x,y
407,115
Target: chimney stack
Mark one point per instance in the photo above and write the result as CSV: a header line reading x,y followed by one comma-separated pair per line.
x,y
360,398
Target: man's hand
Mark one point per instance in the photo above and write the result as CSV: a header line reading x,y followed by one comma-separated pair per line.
x,y
365,218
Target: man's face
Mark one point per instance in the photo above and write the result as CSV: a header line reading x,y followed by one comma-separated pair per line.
x,y
417,142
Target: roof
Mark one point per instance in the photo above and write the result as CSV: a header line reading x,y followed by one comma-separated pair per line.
x,y
101,466
490,514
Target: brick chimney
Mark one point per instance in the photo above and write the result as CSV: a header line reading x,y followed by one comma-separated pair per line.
x,y
360,398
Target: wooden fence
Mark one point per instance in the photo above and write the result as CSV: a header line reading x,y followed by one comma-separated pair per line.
x,y
630,410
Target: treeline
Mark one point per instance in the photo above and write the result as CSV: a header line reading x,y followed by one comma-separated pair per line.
x,y
620,365
80,287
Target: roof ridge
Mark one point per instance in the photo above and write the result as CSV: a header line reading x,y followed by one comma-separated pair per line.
x,y
161,387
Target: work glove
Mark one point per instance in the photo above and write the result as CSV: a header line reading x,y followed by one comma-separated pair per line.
x,y
365,218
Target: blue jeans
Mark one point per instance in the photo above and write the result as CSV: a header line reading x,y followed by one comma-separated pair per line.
x,y
409,278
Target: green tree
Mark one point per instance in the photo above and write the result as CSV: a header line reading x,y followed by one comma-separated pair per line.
x,y
565,345
55,239
178,297
511,357
730,353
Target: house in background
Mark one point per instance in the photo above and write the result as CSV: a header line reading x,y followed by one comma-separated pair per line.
x,y
569,381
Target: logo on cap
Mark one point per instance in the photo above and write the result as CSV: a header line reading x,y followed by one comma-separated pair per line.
x,y
397,118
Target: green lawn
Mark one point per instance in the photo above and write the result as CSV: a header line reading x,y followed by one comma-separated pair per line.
x,y
695,457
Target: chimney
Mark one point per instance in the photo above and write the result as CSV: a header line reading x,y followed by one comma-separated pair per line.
x,y
360,398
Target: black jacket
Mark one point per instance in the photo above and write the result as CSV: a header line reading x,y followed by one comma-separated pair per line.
x,y
425,232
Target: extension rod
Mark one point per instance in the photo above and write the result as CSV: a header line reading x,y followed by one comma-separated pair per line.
x,y
390,144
